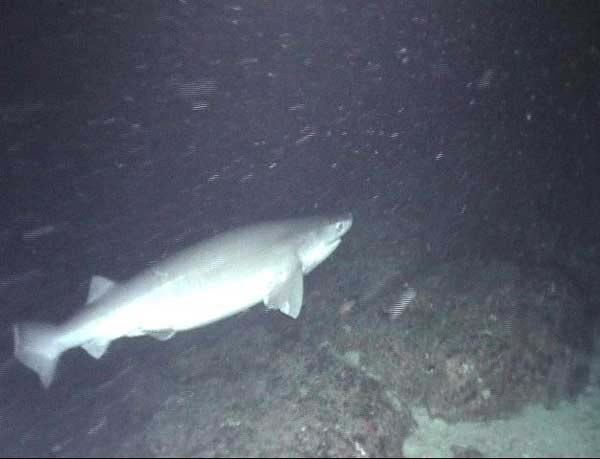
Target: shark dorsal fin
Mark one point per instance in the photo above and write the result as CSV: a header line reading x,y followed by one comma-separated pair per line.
x,y
99,286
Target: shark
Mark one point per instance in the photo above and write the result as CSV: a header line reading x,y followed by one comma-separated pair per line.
x,y
212,280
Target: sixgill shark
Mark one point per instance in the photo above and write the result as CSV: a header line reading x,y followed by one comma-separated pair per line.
x,y
207,282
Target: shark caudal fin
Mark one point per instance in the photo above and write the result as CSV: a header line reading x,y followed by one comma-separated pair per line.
x,y
37,346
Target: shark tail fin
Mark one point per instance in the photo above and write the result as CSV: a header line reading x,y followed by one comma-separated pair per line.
x,y
37,346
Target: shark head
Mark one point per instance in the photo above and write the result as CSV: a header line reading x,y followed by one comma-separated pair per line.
x,y
321,237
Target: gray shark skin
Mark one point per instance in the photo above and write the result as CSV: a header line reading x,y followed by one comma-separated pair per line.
x,y
207,282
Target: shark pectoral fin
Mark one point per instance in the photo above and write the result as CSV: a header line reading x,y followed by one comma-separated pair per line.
x,y
287,296
99,286
161,335
96,348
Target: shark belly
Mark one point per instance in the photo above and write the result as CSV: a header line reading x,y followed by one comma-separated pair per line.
x,y
184,306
